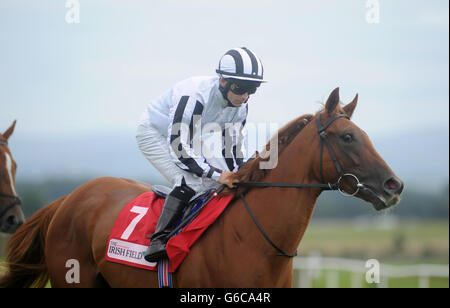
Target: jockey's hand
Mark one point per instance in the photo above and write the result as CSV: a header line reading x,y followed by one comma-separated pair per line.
x,y
228,178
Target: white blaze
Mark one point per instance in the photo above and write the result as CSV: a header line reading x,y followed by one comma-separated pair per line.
x,y
9,168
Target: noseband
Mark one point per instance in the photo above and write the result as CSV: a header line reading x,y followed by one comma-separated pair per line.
x,y
16,201
321,129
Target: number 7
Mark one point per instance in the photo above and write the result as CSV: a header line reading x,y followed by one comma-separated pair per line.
x,y
138,210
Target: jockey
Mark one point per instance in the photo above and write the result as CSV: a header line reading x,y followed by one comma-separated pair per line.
x,y
173,125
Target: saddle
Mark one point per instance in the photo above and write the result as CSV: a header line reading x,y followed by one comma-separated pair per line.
x,y
127,242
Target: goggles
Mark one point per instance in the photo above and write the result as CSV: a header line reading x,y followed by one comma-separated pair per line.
x,y
239,88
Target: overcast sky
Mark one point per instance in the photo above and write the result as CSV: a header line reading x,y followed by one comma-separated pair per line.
x,y
96,76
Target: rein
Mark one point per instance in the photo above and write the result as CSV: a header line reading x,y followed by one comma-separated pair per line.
x,y
328,186
16,200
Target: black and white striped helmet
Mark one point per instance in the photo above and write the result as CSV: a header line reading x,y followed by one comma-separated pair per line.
x,y
241,63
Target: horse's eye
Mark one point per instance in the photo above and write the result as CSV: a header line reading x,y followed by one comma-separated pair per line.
x,y
348,138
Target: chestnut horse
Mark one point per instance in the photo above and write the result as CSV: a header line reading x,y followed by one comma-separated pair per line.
x,y
232,252
11,215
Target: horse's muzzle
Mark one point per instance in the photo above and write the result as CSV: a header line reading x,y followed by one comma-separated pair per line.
x,y
11,222
384,197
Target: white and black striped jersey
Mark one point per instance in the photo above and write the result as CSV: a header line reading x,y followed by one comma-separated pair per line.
x,y
181,114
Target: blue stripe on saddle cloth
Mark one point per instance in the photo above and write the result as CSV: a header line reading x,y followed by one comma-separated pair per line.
x,y
164,277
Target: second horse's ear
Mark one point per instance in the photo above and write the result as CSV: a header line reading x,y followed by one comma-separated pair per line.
x,y
10,130
332,101
350,107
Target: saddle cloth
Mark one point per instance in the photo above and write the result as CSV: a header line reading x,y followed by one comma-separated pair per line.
x,y
128,242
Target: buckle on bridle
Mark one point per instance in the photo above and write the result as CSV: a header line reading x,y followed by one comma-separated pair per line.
x,y
359,185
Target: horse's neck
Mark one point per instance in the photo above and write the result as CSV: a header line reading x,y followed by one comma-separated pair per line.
x,y
284,213
290,209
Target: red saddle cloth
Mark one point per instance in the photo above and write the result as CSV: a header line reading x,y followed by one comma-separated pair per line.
x,y
127,242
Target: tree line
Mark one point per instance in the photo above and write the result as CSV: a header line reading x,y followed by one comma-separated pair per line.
x,y
414,204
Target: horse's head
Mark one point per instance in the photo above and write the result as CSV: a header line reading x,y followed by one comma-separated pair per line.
x,y
356,156
11,215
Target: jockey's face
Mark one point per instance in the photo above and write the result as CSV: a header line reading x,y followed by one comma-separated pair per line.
x,y
236,99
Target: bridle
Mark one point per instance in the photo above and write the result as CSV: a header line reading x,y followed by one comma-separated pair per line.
x,y
342,175
16,199
321,129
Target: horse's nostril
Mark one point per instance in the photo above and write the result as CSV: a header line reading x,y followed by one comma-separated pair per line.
x,y
11,220
393,185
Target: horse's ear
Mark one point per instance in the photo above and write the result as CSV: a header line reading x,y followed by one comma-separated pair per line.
x,y
332,101
10,130
350,107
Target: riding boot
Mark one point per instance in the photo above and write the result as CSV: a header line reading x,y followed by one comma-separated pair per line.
x,y
172,210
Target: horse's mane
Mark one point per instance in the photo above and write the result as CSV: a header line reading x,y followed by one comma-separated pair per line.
x,y
251,172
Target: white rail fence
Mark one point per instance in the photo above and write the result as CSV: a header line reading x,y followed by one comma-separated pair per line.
x,y
310,268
